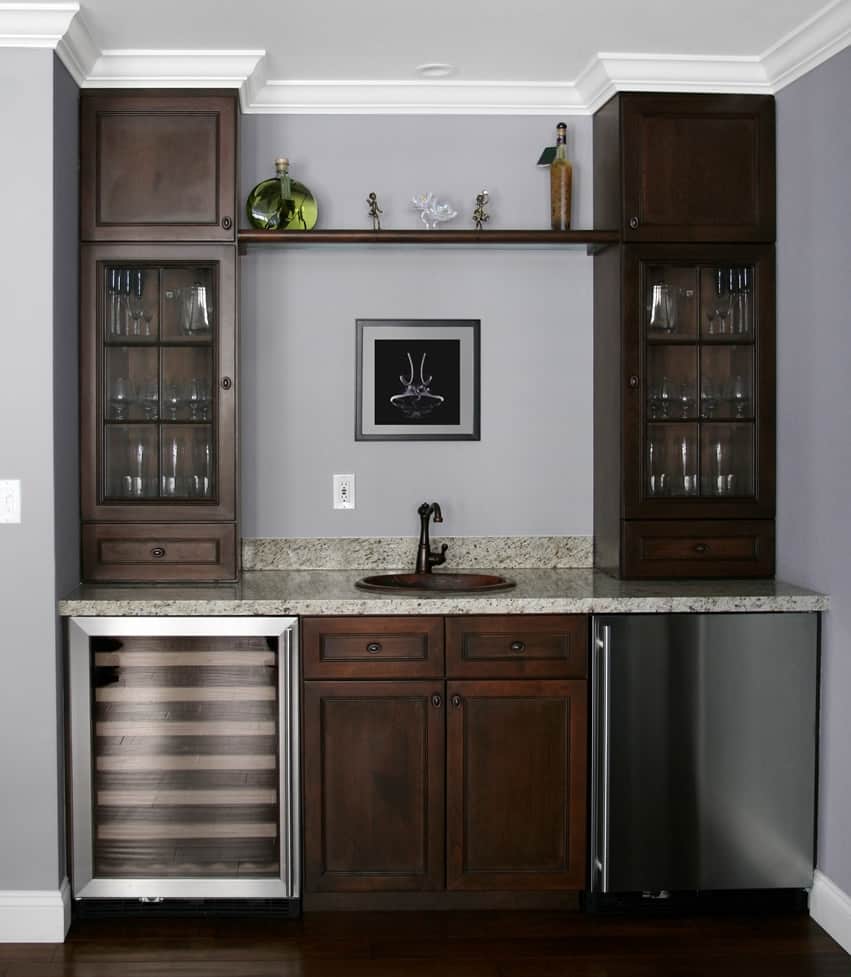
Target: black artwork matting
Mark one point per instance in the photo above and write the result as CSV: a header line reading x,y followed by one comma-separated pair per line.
x,y
417,381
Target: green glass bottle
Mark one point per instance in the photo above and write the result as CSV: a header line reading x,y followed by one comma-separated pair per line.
x,y
281,203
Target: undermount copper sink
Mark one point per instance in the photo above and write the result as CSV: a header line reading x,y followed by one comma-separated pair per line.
x,y
440,582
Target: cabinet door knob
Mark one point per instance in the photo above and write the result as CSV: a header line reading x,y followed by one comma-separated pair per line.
x,y
227,223
633,381
227,383
633,223
701,548
158,552
374,647
518,645
436,701
457,701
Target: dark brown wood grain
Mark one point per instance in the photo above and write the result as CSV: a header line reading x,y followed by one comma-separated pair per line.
x,y
158,166
373,786
254,238
372,647
517,646
516,781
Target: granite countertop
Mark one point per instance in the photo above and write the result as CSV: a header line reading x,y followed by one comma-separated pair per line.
x,y
538,591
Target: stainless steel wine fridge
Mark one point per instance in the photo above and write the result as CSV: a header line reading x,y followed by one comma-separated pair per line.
x,y
184,753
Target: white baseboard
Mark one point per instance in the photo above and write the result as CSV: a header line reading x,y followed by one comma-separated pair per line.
x,y
35,915
830,907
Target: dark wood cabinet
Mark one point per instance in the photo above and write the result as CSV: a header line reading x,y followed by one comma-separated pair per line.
x,y
684,337
374,786
516,776
158,339
158,166
380,754
683,167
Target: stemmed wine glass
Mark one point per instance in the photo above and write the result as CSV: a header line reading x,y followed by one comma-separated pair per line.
x,y
721,299
121,395
136,303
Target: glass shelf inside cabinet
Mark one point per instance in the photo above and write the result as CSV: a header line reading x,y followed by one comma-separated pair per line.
x,y
158,368
699,329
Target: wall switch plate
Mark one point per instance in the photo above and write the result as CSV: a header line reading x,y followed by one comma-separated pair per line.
x,y
344,491
10,500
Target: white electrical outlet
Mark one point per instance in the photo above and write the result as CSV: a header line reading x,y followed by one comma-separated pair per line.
x,y
10,500
344,491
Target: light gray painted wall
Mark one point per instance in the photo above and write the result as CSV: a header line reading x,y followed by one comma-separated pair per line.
x,y
814,406
29,819
532,471
66,445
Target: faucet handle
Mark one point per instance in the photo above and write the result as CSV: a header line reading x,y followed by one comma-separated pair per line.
x,y
435,559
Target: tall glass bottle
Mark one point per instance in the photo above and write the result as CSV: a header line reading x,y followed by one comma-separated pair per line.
x,y
561,180
281,203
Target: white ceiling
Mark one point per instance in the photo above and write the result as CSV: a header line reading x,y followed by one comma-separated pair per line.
x,y
507,56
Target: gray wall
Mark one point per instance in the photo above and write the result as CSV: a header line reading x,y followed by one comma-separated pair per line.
x,y
532,471
29,816
814,367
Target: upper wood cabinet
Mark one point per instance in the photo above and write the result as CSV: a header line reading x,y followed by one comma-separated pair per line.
x,y
158,167
682,167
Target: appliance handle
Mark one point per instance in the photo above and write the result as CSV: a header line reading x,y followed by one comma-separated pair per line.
x,y
604,645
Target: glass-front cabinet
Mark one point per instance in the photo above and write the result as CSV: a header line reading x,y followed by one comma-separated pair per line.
x,y
158,411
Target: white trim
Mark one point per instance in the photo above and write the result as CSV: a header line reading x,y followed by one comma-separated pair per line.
x,y
77,51
35,24
826,33
167,69
830,907
35,916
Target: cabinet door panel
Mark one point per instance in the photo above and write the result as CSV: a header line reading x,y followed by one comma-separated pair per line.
x,y
698,168
516,774
158,167
374,786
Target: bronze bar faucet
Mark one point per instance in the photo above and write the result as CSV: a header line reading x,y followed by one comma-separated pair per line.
x,y
426,559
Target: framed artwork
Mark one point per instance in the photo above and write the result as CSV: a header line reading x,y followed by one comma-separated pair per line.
x,y
417,380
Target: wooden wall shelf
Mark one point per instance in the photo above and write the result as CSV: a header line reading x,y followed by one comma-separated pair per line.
x,y
592,240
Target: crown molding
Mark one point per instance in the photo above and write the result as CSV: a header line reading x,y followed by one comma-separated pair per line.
x,y
170,69
35,25
826,33
77,51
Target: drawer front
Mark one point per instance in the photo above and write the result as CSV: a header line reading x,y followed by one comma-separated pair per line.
x,y
517,646
159,553
372,647
698,549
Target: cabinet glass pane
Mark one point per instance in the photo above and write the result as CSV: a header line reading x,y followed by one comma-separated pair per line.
x,y
727,460
131,304
131,386
187,383
671,382
670,302
130,461
188,307
727,302
187,462
726,382
185,757
671,461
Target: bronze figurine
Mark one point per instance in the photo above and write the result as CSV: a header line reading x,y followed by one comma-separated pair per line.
x,y
374,211
479,215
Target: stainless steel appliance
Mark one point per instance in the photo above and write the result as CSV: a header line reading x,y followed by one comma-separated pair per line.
x,y
184,747
703,752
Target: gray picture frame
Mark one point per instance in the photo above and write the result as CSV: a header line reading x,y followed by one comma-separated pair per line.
x,y
461,394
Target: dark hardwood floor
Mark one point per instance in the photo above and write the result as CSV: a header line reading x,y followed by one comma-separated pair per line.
x,y
458,944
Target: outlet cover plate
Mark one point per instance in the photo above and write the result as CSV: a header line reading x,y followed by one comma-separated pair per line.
x,y
344,491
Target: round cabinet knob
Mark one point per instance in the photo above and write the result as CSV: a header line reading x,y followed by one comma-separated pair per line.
x,y
456,701
227,383
518,645
633,381
158,552
227,223
701,548
374,647
633,223
436,701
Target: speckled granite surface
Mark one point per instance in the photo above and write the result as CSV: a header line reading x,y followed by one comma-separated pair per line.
x,y
303,592
392,552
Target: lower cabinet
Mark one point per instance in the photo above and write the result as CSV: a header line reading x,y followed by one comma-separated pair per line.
x,y
473,784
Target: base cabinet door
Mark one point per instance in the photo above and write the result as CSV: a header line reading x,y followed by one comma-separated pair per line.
x,y
516,775
374,786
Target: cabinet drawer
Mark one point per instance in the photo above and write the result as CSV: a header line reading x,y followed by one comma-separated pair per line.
x,y
372,647
495,646
699,549
159,553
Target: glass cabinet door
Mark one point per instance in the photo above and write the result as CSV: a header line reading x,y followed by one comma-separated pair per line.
x,y
159,351
698,339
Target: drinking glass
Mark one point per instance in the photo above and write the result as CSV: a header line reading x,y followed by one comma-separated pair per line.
x,y
687,461
172,401
662,308
120,398
115,299
708,397
136,303
202,461
657,477
740,396
150,400
667,395
723,479
685,401
199,399
717,315
172,477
